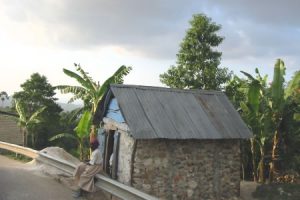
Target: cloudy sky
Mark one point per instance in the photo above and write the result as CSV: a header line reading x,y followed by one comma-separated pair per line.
x,y
47,35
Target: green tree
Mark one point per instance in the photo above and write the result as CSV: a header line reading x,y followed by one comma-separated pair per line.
x,y
281,100
291,127
90,91
38,93
293,87
236,90
82,130
197,59
26,121
68,122
271,112
254,112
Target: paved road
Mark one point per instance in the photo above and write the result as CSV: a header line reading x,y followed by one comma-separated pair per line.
x,y
18,182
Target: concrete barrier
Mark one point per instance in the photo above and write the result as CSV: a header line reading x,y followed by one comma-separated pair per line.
x,y
109,185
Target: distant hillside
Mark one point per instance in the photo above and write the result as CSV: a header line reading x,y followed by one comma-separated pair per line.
x,y
69,106
65,106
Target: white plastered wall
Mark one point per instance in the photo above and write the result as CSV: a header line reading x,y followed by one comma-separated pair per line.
x,y
125,158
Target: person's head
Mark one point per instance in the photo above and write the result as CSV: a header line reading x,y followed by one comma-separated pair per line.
x,y
94,145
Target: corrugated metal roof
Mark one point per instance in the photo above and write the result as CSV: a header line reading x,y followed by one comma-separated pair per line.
x,y
155,112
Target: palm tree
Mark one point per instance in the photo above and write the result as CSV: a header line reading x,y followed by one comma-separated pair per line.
x,y
82,131
89,91
26,121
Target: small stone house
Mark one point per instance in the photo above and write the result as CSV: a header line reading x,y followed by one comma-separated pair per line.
x,y
9,130
172,143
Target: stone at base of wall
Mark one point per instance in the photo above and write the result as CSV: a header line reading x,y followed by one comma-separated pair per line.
x,y
188,169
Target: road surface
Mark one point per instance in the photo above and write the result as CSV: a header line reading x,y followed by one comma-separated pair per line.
x,y
19,182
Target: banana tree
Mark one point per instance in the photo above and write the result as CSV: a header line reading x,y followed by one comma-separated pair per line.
x,y
26,121
293,88
280,101
82,131
253,112
89,91
292,93
277,97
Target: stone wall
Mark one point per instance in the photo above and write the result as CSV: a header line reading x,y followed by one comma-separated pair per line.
x,y
9,130
188,169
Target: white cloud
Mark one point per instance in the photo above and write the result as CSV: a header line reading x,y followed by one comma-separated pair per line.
x,y
47,35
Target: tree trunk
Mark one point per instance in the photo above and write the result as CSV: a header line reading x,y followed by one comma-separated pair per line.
x,y
93,135
253,160
24,137
275,164
261,167
81,151
32,140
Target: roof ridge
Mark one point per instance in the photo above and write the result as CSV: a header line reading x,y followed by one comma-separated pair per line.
x,y
165,89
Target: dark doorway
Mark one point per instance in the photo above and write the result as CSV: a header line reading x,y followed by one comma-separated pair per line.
x,y
110,160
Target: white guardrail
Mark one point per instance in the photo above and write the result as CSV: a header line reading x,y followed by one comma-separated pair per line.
x,y
111,186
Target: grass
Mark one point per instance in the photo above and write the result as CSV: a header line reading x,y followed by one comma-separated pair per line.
x,y
279,191
15,156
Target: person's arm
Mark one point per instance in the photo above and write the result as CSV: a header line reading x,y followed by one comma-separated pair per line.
x,y
93,158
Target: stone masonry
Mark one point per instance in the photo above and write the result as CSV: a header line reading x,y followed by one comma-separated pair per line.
x,y
9,130
188,169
